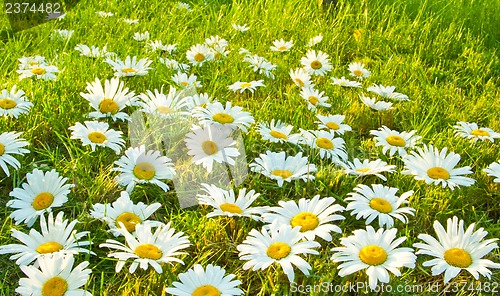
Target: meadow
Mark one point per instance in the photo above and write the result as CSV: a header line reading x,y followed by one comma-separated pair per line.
x,y
442,54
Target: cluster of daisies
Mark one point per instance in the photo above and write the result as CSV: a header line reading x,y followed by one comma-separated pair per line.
x,y
291,231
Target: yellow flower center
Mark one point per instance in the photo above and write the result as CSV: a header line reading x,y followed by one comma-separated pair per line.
x,y
246,84
223,118
108,106
324,143
129,220
2,149
144,171
362,170
209,147
313,100
381,205
282,48
373,255
282,173
38,71
332,125
278,250
148,251
394,140
358,72
306,220
129,70
164,109
458,257
299,82
480,133
278,135
49,247
206,290
316,65
97,137
184,83
231,208
7,104
438,173
42,201
199,57
56,286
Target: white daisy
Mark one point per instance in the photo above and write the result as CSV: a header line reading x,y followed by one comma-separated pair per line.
x,y
167,105
45,72
315,40
394,141
142,166
242,86
435,167
56,276
130,67
280,167
211,143
31,62
316,63
212,281
280,244
457,249
313,216
198,54
124,211
261,65
198,100
474,132
182,80
10,143
379,201
157,45
278,132
41,193
358,70
110,100
93,51
104,14
367,167
148,247
387,92
493,170
216,42
314,98
376,252
225,203
174,65
281,45
344,82
141,36
131,21
63,34
56,237
328,145
96,133
13,103
241,28
373,104
184,6
301,78
333,123
216,113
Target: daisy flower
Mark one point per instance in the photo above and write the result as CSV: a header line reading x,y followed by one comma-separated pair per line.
x,y
157,45
63,34
315,40
174,65
41,193
198,100
358,70
10,143
373,104
436,167
167,105
493,170
130,67
313,216
333,123
216,113
473,132
344,82
184,81
14,103
147,247
261,65
211,143
124,211
225,203
199,54
394,141
242,86
281,45
380,202
141,36
301,78
377,252
328,146
110,100
387,92
241,28
367,167
216,42
56,237
456,249
96,133
280,167
104,14
31,62
316,63
56,276
142,166
131,21
93,51
184,6
278,132
210,281
43,71
314,98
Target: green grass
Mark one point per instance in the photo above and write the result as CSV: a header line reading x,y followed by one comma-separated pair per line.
x,y
442,53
